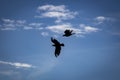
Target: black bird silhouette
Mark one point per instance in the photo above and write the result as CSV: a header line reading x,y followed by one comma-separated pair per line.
x,y
57,46
68,33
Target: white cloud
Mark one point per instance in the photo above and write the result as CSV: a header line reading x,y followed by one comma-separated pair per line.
x,y
9,24
115,33
8,72
60,8
12,74
36,26
44,34
58,28
8,20
59,12
79,31
7,28
88,29
20,23
11,21
17,64
54,14
102,19
61,28
27,28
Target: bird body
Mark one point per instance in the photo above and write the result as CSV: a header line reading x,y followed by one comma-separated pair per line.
x,y
57,46
68,33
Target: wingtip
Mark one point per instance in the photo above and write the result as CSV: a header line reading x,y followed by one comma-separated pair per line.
x,y
62,44
51,38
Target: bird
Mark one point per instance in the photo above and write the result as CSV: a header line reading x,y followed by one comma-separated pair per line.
x,y
57,46
68,33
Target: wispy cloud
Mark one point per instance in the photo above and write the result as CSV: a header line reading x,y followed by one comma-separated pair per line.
x,y
8,20
82,30
62,27
48,65
59,12
8,28
27,27
17,64
12,74
88,29
36,26
102,19
53,8
115,33
44,34
10,24
8,72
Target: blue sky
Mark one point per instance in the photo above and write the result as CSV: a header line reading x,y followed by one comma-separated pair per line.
x,y
26,52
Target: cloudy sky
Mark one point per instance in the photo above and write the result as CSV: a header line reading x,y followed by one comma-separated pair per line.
x,y
26,52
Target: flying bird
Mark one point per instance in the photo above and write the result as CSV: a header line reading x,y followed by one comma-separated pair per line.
x,y
68,33
57,46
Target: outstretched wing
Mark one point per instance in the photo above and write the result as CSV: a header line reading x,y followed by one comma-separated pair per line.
x,y
54,41
57,50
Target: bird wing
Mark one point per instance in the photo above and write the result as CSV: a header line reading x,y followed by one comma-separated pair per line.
x,y
71,31
54,41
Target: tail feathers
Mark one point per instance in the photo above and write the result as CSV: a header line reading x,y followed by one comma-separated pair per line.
x,y
56,55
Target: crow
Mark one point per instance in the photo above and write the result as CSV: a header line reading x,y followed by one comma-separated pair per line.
x,y
57,46
68,33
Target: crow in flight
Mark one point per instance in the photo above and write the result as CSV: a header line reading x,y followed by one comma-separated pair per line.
x,y
68,33
57,46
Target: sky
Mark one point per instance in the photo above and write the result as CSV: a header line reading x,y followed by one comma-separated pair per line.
x,y
92,53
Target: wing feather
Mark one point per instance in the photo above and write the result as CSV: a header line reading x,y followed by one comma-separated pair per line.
x,y
54,41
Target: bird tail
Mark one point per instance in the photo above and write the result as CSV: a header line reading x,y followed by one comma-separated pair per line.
x,y
56,55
